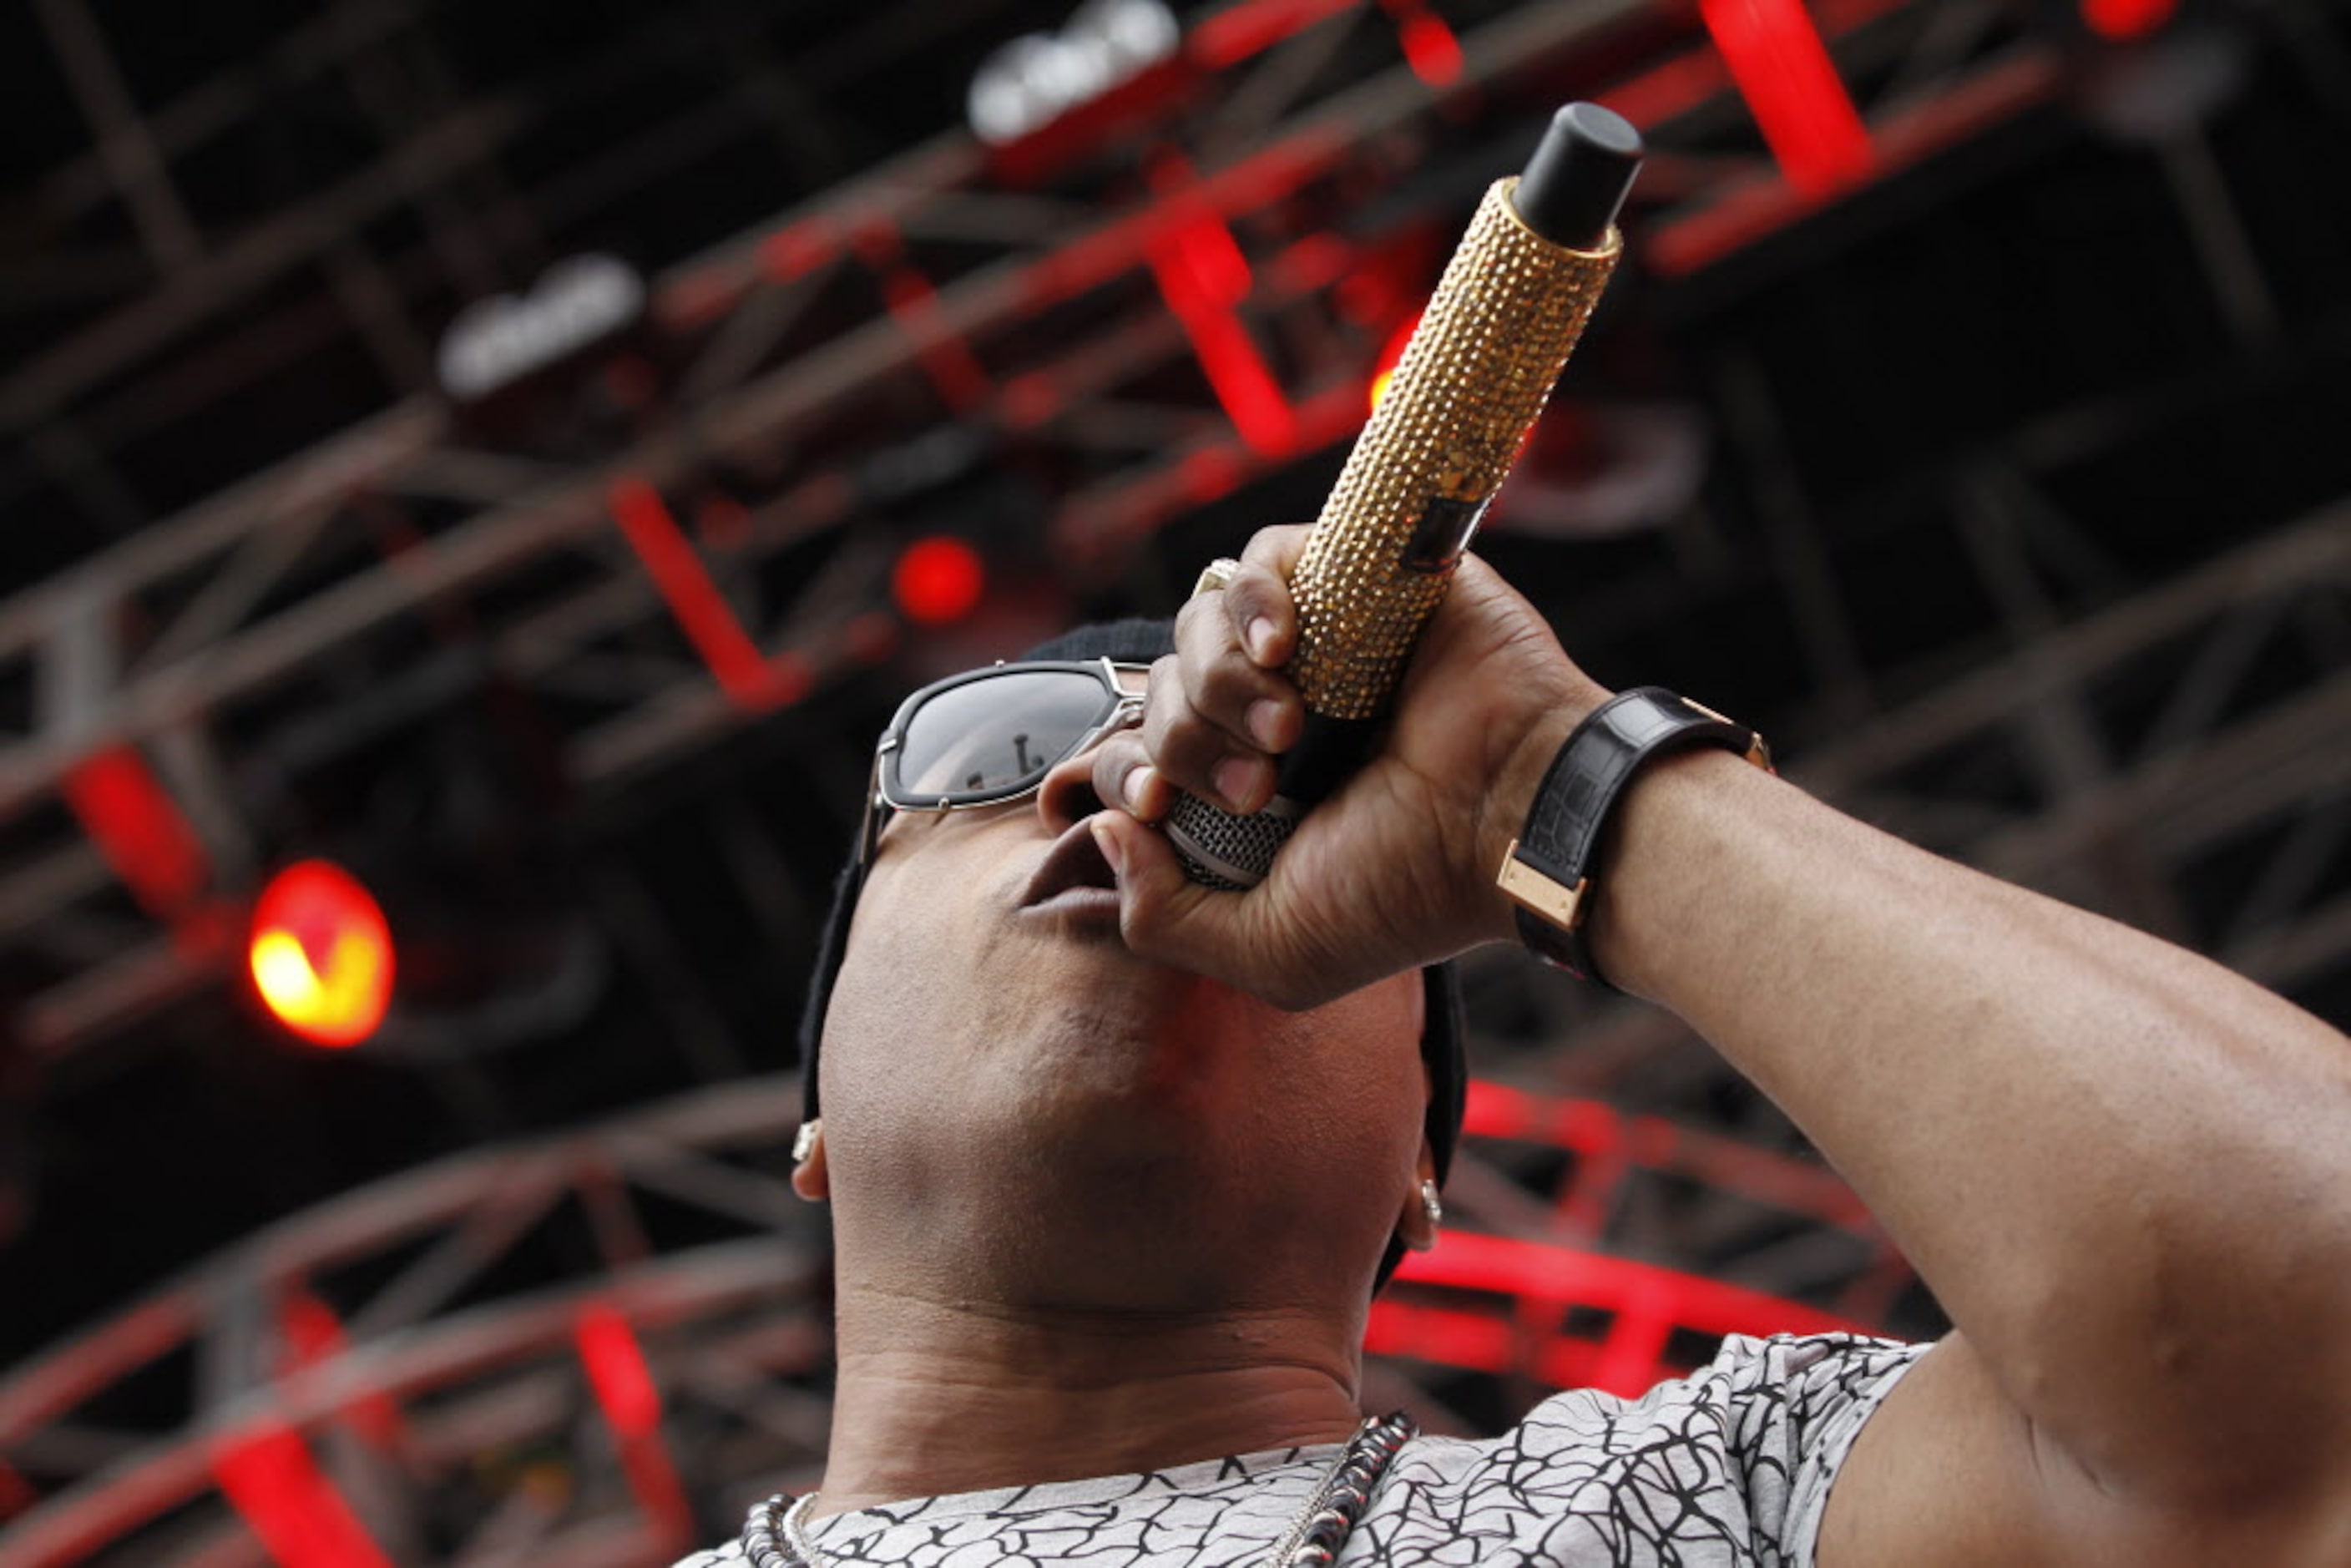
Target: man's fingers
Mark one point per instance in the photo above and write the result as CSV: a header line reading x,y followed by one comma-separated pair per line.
x,y
1231,937
1166,917
1220,710
1196,755
1124,777
1257,599
1254,705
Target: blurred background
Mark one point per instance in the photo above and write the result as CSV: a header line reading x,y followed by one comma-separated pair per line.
x,y
477,478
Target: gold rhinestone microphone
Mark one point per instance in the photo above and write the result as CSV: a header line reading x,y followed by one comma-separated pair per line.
x,y
1472,380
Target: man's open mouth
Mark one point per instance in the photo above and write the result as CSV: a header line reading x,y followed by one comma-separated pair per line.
x,y
1072,869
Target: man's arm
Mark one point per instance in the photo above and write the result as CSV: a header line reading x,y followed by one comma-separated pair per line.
x,y
2125,1171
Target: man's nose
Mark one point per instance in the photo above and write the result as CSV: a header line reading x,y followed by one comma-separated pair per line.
x,y
1067,796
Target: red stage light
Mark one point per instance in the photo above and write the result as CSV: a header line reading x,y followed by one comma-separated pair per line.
x,y
320,953
1792,88
938,579
1384,369
2123,20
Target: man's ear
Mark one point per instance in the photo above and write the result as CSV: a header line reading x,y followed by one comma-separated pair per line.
x,y
810,1178
1416,1226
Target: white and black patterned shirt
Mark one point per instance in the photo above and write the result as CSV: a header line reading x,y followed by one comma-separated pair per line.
x,y
1725,1469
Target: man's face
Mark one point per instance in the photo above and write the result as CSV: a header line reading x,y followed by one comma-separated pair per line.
x,y
1010,1093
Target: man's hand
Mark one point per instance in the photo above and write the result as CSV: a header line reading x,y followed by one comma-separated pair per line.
x,y
2121,1168
1394,870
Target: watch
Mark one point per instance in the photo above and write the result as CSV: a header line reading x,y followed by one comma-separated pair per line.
x,y
1548,871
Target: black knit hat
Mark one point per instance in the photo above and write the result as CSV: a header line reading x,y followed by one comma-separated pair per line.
x,y
1139,641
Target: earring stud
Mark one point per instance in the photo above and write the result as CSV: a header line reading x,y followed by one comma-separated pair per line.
x,y
804,1141
1431,1204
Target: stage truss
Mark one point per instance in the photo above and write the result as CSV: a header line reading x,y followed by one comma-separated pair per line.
x,y
637,565
693,545
365,1382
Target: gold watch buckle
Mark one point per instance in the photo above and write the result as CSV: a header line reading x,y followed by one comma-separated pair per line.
x,y
1557,903
1756,755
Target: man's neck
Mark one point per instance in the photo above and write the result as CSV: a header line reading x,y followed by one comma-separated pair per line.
x,y
936,1399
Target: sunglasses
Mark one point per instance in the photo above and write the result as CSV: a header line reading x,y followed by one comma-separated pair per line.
x,y
990,735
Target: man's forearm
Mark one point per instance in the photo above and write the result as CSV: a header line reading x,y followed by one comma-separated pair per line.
x,y
2126,1172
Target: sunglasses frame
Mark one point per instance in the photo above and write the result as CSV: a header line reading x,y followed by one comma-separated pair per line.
x,y
1122,706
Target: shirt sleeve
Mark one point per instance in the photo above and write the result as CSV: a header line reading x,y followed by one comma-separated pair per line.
x,y
1793,1406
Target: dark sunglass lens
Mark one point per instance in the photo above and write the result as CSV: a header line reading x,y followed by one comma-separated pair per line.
x,y
997,734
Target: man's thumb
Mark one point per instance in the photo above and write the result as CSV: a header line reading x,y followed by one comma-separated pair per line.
x,y
1164,914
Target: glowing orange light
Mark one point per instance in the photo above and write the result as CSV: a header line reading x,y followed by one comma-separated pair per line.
x,y
938,579
1384,370
320,953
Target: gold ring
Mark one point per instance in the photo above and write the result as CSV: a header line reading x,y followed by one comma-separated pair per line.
x,y
1218,573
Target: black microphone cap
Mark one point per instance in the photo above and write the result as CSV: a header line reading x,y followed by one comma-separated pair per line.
x,y
1578,177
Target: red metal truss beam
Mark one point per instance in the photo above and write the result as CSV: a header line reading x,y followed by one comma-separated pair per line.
x,y
141,830
1502,1307
267,1473
1749,209
630,1397
1592,1129
747,676
1648,1303
1791,86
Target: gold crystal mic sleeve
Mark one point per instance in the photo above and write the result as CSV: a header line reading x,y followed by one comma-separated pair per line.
x,y
1500,327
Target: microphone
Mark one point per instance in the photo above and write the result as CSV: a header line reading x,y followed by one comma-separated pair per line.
x,y
1472,382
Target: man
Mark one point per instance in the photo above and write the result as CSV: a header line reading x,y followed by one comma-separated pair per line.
x,y
1114,1161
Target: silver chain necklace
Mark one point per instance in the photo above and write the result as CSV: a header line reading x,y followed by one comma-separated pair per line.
x,y
776,1536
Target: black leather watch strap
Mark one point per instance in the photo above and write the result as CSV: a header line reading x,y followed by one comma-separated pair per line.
x,y
1548,871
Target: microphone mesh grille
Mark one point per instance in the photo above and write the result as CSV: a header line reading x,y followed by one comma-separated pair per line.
x,y
1222,850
